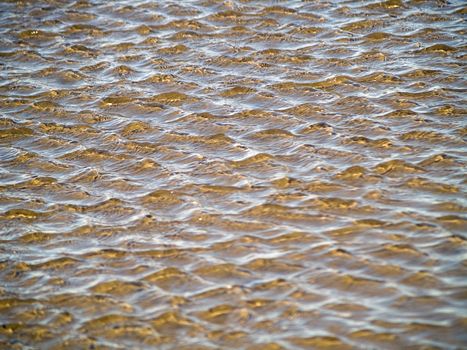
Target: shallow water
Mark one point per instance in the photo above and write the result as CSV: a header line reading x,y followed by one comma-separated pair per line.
x,y
232,174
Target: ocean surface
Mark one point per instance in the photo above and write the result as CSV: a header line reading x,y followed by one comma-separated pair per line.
x,y
237,174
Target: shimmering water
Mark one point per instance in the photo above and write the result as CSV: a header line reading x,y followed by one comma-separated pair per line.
x,y
232,174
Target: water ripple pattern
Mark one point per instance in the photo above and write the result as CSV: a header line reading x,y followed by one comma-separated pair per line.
x,y
237,174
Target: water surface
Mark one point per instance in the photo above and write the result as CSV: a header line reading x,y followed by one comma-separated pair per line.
x,y
232,174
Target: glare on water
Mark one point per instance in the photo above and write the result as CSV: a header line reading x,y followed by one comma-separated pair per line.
x,y
238,174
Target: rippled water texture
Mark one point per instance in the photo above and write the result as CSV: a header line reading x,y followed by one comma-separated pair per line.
x,y
232,174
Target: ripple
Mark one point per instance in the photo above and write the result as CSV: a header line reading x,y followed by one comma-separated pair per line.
x,y
236,174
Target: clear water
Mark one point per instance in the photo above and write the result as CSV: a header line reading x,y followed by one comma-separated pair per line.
x,y
232,175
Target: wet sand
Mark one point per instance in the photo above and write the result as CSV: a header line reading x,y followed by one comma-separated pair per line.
x,y
238,174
